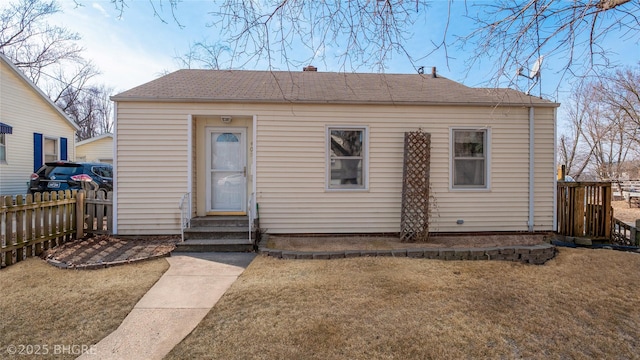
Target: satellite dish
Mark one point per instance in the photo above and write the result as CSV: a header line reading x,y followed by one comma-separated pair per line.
x,y
534,74
535,71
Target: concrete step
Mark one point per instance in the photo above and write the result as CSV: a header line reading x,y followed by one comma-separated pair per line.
x,y
217,232
223,221
215,245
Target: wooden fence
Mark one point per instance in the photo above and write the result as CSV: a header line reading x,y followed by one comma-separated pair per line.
x,y
625,234
33,223
584,209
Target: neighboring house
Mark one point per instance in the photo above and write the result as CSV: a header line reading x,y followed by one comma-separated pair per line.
x,y
33,130
96,149
323,152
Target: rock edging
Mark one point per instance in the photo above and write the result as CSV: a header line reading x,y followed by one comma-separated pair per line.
x,y
530,254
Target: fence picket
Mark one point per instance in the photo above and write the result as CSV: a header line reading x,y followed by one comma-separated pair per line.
x,y
28,218
110,213
584,209
6,233
20,239
46,227
29,225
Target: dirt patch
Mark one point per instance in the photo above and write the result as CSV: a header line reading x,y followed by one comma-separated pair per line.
x,y
345,243
623,212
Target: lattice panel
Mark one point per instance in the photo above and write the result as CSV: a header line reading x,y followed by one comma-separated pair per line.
x,y
414,222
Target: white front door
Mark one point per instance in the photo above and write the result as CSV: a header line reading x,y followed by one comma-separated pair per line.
x,y
226,170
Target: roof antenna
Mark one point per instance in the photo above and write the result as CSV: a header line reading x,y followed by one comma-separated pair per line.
x,y
421,70
534,74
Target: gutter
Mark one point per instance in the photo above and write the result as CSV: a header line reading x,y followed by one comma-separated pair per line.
x,y
531,169
332,102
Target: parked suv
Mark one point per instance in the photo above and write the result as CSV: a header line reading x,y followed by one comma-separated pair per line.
x,y
63,175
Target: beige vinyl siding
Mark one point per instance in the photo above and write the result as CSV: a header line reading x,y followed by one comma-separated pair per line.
x,y
28,113
297,202
151,169
545,174
100,150
291,167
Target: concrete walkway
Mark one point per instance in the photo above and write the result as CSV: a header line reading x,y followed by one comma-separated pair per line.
x,y
173,307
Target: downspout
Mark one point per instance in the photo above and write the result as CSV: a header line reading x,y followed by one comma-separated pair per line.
x,y
115,168
555,166
254,158
190,160
531,169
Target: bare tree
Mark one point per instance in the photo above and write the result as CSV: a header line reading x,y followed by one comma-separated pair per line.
x,y
31,43
203,55
366,33
514,33
622,93
574,152
51,58
602,138
90,108
360,32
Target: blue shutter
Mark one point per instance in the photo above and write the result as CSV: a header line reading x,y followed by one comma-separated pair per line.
x,y
37,151
63,148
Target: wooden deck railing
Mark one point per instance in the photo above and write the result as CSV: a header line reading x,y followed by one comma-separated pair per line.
x,y
33,223
625,234
584,209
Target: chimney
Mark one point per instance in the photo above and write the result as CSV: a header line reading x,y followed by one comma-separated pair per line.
x,y
433,72
310,68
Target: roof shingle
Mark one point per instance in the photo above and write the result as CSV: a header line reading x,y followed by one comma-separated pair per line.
x,y
320,87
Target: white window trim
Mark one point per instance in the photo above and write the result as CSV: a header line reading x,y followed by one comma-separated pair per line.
x,y
365,160
44,152
487,168
3,144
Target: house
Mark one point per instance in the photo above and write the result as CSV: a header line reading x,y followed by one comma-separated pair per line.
x,y
322,152
33,130
96,149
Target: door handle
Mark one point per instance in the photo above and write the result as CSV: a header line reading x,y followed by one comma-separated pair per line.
x,y
244,172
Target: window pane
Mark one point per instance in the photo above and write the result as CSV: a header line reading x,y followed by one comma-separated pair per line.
x,y
346,172
3,154
346,143
469,172
469,143
50,150
226,152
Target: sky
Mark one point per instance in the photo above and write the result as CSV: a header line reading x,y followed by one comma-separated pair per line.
x,y
136,47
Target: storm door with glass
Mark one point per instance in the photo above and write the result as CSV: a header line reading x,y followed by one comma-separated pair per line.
x,y
226,170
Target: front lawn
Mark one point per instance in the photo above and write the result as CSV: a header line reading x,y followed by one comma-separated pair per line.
x,y
582,304
43,308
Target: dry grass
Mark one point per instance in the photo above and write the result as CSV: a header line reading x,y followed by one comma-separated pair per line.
x,y
342,243
583,304
44,305
622,211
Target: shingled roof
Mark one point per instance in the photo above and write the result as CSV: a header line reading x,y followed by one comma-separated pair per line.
x,y
313,87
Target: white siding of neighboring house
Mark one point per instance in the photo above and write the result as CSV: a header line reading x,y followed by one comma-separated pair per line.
x,y
100,150
291,162
23,109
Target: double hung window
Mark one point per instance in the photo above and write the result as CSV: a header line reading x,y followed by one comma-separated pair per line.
x,y
50,149
347,157
470,158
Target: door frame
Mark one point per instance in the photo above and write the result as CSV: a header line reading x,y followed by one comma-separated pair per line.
x,y
208,189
